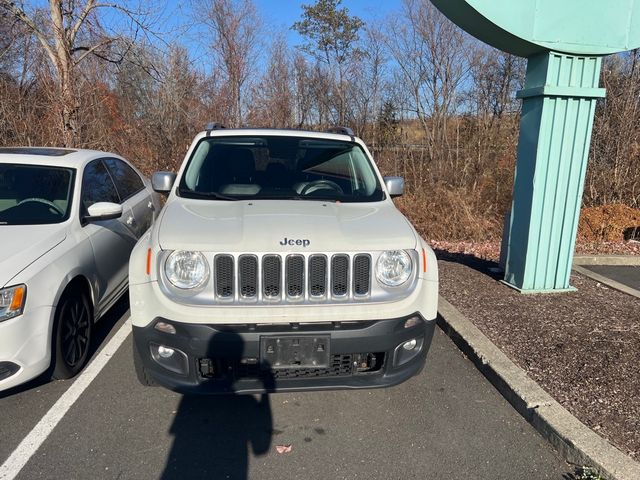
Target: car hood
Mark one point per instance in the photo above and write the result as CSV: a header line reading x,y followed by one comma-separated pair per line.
x,y
263,226
21,245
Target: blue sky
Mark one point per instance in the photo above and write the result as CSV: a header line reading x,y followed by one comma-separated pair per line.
x,y
277,15
283,13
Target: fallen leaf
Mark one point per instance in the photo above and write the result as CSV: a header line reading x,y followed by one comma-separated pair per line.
x,y
283,448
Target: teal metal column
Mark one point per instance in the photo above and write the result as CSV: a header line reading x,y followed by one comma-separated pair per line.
x,y
557,116
559,101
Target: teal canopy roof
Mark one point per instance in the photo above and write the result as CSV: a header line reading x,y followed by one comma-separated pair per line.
x,y
526,27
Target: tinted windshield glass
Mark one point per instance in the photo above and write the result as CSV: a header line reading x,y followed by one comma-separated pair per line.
x,y
31,194
232,168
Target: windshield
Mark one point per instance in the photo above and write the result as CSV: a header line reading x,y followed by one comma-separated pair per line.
x,y
34,194
272,167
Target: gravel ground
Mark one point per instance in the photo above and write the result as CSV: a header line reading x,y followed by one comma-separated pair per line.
x,y
490,249
582,347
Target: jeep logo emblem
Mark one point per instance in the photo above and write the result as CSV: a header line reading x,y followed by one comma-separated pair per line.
x,y
299,242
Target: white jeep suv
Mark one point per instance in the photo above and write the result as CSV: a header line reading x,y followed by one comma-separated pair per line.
x,y
280,263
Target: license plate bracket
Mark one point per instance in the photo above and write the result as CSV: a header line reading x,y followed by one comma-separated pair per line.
x,y
295,351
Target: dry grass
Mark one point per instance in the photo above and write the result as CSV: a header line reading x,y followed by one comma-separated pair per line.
x,y
609,223
450,214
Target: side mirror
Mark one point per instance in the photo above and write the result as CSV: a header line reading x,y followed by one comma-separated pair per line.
x,y
162,182
103,211
395,186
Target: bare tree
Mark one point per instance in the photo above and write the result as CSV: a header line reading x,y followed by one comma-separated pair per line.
x,y
274,96
69,33
432,55
366,89
614,168
162,101
303,99
235,27
495,76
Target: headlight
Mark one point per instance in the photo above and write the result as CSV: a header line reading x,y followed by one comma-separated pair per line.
x,y
187,270
393,268
12,301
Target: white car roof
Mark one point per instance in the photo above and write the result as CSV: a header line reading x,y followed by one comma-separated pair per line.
x,y
56,157
224,132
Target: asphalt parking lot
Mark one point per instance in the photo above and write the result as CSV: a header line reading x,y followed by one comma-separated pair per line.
x,y
447,423
628,275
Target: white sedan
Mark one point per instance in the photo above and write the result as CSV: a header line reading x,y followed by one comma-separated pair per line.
x,y
68,222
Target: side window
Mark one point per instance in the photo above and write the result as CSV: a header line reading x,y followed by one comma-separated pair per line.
x,y
97,185
127,180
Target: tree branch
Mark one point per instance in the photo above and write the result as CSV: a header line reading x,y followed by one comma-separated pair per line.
x,y
89,50
80,20
22,17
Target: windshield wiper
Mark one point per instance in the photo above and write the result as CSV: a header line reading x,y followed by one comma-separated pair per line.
x,y
206,195
296,197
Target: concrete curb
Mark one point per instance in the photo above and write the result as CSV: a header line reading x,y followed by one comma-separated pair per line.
x,y
621,287
606,260
577,443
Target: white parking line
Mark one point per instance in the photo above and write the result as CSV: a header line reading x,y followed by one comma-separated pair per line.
x,y
36,437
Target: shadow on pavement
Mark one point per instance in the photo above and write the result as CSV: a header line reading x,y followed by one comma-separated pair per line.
x,y
214,435
100,333
487,267
105,326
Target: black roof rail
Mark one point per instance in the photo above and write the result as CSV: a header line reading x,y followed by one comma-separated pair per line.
x,y
213,126
341,131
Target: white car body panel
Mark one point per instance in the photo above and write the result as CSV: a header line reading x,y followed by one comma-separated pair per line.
x,y
256,226
24,244
47,258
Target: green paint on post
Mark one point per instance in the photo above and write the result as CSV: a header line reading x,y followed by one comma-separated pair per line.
x,y
559,101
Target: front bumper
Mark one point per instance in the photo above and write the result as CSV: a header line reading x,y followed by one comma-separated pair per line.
x,y
227,358
25,346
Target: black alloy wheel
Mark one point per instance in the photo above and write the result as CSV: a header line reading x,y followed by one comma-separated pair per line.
x,y
72,340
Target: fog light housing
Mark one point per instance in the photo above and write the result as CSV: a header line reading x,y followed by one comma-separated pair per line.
x,y
166,352
407,351
410,345
7,369
170,358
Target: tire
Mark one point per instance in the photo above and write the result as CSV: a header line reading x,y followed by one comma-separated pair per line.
x,y
143,376
73,325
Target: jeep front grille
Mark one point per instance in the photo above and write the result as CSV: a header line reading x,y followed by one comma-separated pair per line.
x,y
248,276
291,278
224,276
361,274
340,275
317,275
271,278
295,276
